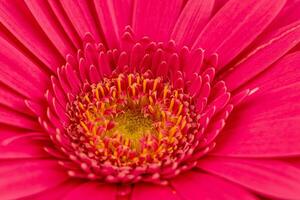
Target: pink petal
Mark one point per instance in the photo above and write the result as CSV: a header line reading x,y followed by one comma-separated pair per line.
x,y
92,189
113,16
269,177
82,17
19,73
264,55
10,117
23,149
56,192
65,22
238,23
196,185
266,125
192,19
15,143
150,191
284,72
218,5
50,25
16,18
105,12
23,178
289,14
12,99
155,18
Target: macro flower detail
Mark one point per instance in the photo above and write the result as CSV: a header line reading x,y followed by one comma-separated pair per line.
x,y
143,120
124,99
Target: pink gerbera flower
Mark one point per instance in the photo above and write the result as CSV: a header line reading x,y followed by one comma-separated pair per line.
x,y
160,99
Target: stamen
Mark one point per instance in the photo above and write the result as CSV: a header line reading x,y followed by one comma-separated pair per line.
x,y
130,127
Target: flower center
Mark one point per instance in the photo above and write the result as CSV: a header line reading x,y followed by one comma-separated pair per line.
x,y
132,120
132,125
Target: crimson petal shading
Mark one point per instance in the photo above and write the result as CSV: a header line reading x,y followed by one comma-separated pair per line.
x,y
208,187
92,190
113,15
20,74
65,22
271,49
265,125
284,72
82,19
23,178
56,192
155,19
42,12
148,191
192,19
11,117
16,17
23,149
238,23
268,177
12,99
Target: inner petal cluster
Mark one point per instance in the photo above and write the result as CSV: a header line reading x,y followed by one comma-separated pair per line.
x,y
133,120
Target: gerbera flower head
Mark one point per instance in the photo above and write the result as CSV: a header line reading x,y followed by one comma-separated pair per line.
x,y
172,99
135,115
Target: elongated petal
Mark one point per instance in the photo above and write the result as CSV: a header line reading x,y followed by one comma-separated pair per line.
x,y
155,18
51,27
113,16
16,18
92,189
12,99
269,177
148,191
19,73
196,185
10,117
23,178
56,192
284,72
265,125
23,149
238,23
271,49
191,21
82,17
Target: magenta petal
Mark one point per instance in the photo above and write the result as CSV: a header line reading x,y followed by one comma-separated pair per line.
x,y
51,27
238,23
23,149
20,144
65,22
192,19
113,16
82,17
23,178
108,22
149,191
284,72
196,185
269,177
19,73
155,18
11,117
16,17
56,192
289,14
12,99
91,190
265,125
270,50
